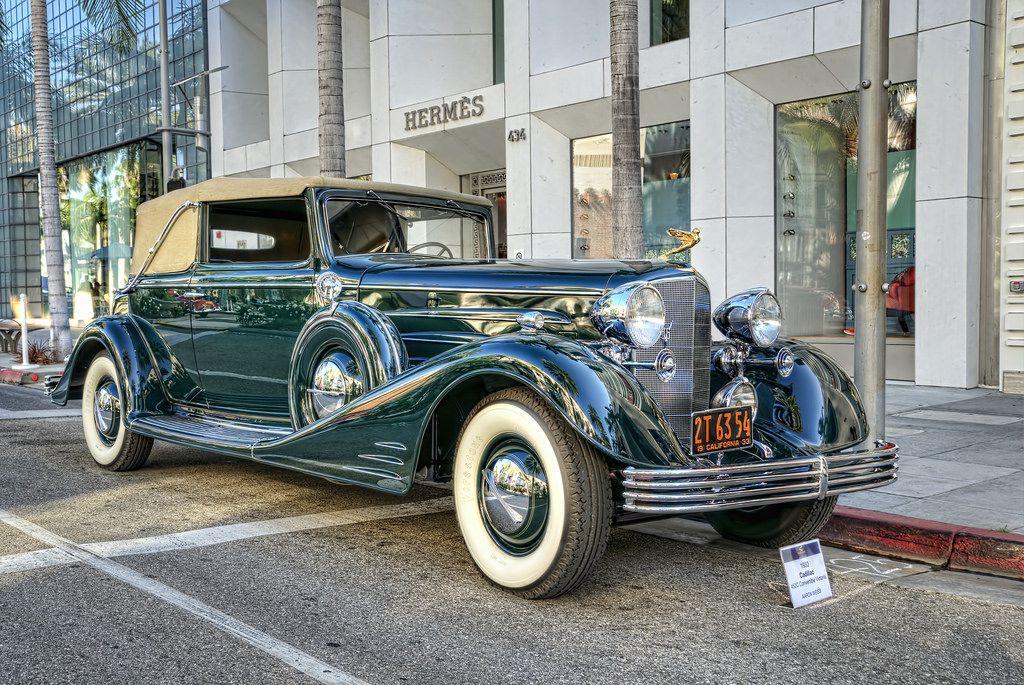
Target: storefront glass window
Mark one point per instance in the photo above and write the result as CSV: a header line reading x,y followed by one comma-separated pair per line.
x,y
670,20
666,191
816,200
98,198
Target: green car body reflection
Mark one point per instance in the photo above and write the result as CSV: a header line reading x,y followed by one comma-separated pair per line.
x,y
363,333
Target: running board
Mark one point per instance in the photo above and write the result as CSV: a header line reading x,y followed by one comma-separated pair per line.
x,y
380,468
202,431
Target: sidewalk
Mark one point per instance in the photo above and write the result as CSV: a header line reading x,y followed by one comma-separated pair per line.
x,y
961,458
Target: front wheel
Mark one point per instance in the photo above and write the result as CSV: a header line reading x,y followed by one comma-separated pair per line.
x,y
775,525
111,444
532,499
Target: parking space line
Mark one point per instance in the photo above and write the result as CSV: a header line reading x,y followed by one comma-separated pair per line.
x,y
282,651
216,535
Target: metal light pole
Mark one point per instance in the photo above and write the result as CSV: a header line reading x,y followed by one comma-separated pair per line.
x,y
872,149
166,139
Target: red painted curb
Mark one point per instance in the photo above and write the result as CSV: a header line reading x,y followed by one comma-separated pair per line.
x,y
11,376
890,535
986,551
932,542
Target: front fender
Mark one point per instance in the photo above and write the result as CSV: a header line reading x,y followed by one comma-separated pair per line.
x,y
140,374
815,410
380,432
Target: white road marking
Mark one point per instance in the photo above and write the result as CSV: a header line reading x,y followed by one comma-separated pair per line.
x,y
12,415
959,417
282,651
216,535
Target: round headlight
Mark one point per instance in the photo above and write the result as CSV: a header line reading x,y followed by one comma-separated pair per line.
x,y
739,392
632,314
645,316
765,319
753,315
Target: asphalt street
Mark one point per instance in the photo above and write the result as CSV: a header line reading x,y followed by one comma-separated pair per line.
x,y
201,568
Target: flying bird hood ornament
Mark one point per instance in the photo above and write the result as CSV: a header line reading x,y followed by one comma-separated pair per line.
x,y
687,239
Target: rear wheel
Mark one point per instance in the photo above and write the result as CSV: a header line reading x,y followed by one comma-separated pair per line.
x,y
111,444
776,525
532,499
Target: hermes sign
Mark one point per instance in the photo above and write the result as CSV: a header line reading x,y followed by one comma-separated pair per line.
x,y
463,108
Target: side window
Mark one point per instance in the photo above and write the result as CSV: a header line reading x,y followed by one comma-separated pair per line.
x,y
258,231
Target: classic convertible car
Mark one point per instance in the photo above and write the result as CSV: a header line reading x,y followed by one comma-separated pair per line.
x,y
364,333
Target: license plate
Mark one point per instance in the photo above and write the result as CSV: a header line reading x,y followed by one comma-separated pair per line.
x,y
718,430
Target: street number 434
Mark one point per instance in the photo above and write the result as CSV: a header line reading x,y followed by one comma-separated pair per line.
x,y
718,430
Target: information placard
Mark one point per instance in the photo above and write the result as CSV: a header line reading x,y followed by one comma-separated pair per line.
x,y
805,573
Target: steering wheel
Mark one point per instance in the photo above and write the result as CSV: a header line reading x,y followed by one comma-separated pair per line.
x,y
445,250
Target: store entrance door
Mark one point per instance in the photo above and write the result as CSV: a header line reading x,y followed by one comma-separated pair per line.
x,y
491,184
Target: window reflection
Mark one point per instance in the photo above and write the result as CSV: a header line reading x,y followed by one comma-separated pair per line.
x,y
98,198
816,199
666,191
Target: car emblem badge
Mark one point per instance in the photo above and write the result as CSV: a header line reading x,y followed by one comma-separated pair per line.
x,y
329,287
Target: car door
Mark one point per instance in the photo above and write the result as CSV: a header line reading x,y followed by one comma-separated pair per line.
x,y
251,294
162,302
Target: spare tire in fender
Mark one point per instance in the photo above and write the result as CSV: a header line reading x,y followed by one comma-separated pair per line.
x,y
361,335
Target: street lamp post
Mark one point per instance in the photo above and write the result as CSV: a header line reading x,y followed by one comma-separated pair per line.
x,y
871,284
166,139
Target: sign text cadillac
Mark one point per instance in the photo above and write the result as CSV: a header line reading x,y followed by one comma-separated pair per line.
x,y
463,108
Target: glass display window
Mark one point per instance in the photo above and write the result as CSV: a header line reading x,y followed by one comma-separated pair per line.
x,y
816,213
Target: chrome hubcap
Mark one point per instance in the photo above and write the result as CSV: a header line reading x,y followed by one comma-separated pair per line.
x,y
513,496
106,409
337,380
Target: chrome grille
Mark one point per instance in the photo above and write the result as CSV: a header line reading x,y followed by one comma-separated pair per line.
x,y
688,311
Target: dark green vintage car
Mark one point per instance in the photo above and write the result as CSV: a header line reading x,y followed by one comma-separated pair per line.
x,y
364,333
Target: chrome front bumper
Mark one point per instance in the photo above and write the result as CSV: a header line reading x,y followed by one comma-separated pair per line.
x,y
737,486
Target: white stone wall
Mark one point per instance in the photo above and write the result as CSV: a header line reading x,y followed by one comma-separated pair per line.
x,y
743,58
1011,333
263,105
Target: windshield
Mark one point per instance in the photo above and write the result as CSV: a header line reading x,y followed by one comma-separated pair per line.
x,y
361,227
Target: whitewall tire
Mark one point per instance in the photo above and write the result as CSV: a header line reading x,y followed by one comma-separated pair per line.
x,y
532,499
111,444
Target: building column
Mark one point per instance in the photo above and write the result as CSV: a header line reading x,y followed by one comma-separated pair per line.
x,y
539,182
708,181
950,85
749,188
519,207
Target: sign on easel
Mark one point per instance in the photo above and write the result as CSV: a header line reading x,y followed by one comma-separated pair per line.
x,y
805,573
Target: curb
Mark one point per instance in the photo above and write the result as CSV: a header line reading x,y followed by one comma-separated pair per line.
x,y
20,377
945,545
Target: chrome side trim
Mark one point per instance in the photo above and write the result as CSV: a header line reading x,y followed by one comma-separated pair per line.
x,y
736,486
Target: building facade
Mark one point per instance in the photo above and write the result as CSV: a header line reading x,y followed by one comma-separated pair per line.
x,y
106,102
749,132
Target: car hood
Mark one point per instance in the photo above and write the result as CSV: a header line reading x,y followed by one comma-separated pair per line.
x,y
542,276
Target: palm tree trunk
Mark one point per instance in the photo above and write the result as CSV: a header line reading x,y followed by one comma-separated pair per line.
x,y
627,195
60,329
331,93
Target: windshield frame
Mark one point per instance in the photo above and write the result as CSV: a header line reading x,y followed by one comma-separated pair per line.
x,y
473,211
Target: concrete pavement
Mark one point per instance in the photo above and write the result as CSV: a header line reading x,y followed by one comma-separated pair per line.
x,y
396,599
961,458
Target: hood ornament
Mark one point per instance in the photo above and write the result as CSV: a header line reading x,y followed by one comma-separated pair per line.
x,y
687,239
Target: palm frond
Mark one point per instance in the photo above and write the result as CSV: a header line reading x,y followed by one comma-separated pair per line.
x,y
118,20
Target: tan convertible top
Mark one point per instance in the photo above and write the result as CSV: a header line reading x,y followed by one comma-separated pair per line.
x,y
179,249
